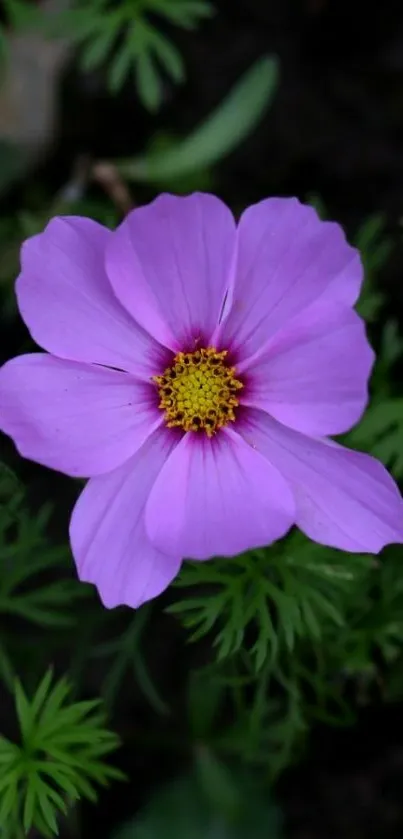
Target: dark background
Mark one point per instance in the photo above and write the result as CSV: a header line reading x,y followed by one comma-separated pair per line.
x,y
334,129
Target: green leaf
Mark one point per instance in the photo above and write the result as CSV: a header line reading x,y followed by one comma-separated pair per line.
x,y
49,803
222,131
45,599
63,744
23,710
128,655
205,699
41,694
30,794
21,14
380,432
97,50
276,597
7,673
184,13
168,56
120,66
186,810
315,200
148,81
146,684
217,784
78,24
8,800
369,234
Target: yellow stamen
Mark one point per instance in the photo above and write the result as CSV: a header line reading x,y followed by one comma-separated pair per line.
x,y
198,392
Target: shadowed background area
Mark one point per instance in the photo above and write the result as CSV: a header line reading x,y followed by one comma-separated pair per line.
x,y
332,134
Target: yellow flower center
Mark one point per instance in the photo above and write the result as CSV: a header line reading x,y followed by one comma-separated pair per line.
x,y
198,392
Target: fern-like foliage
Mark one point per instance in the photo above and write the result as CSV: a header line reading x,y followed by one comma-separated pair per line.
x,y
357,644
267,599
33,581
126,657
125,38
25,553
60,758
380,431
375,247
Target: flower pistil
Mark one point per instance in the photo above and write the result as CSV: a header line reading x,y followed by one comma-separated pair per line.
x,y
198,392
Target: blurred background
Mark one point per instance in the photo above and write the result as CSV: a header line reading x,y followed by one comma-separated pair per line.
x,y
295,732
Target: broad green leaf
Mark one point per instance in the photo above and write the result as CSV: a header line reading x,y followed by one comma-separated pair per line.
x,y
221,132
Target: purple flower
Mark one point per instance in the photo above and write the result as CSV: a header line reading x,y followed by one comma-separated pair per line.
x,y
196,369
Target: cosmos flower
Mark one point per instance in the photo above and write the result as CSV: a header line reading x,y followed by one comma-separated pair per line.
x,y
194,370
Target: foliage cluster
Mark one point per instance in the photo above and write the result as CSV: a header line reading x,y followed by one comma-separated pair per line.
x,y
132,37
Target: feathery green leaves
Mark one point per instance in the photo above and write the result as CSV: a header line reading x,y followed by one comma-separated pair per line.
x,y
60,758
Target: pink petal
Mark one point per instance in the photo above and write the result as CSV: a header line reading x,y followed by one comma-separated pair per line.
x,y
66,300
78,419
344,498
169,264
313,376
108,536
287,259
217,497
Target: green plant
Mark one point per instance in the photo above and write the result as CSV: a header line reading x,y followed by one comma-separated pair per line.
x,y
221,132
19,14
276,595
126,656
210,801
33,581
126,38
59,759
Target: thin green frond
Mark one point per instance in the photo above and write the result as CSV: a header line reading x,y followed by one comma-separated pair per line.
x,y
60,757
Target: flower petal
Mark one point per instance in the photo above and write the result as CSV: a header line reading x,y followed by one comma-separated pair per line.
x,y
65,299
313,376
217,497
169,264
108,536
344,499
78,419
287,259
